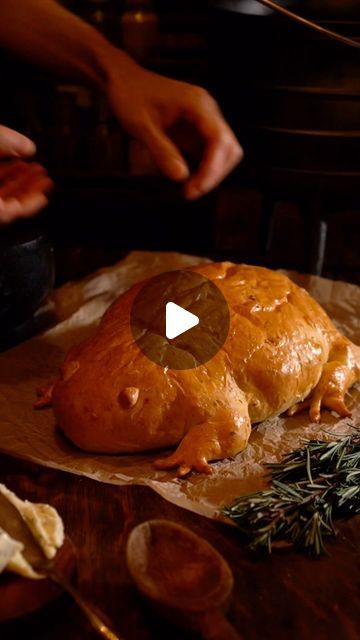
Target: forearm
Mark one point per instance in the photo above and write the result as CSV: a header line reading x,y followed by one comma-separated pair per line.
x,y
45,33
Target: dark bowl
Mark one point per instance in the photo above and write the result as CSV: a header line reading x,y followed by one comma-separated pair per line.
x,y
26,279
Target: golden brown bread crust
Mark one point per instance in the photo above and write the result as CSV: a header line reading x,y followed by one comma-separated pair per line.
x,y
111,398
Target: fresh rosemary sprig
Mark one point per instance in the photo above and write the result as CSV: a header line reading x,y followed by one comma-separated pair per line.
x,y
309,489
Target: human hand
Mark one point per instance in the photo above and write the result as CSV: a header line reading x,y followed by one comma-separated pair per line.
x,y
23,185
170,118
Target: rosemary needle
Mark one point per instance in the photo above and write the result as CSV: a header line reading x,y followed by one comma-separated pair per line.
x,y
309,489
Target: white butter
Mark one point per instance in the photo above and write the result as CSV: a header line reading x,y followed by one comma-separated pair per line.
x,y
46,526
8,549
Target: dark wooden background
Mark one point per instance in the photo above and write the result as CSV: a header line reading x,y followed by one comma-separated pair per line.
x,y
283,596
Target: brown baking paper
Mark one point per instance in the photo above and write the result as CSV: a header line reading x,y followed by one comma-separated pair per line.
x,y
76,308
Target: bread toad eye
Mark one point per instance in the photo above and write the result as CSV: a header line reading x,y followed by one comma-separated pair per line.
x,y
128,397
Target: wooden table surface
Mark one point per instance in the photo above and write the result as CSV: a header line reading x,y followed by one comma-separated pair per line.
x,y
283,596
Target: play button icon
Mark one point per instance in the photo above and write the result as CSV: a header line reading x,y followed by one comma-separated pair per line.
x,y
179,319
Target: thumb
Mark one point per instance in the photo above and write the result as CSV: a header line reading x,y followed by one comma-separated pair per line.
x,y
165,153
14,144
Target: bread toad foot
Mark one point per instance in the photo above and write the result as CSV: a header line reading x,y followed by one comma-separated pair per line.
x,y
206,442
185,461
339,373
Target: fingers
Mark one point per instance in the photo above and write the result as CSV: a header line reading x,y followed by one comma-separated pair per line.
x,y
14,144
215,165
166,155
14,208
23,189
155,105
23,186
20,179
10,169
221,154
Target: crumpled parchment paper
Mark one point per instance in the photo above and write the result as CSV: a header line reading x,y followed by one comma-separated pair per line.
x,y
75,310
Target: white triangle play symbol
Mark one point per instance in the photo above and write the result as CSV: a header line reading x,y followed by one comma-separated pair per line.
x,y
178,320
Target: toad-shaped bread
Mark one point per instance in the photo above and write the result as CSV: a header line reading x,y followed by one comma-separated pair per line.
x,y
282,353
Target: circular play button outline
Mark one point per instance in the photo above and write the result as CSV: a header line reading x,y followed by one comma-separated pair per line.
x,y
188,293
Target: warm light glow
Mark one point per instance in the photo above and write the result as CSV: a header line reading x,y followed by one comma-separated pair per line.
x,y
139,17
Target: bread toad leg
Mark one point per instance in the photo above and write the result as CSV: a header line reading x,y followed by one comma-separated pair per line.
x,y
45,396
340,372
211,440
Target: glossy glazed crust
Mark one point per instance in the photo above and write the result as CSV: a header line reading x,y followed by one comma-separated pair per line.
x,y
111,398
